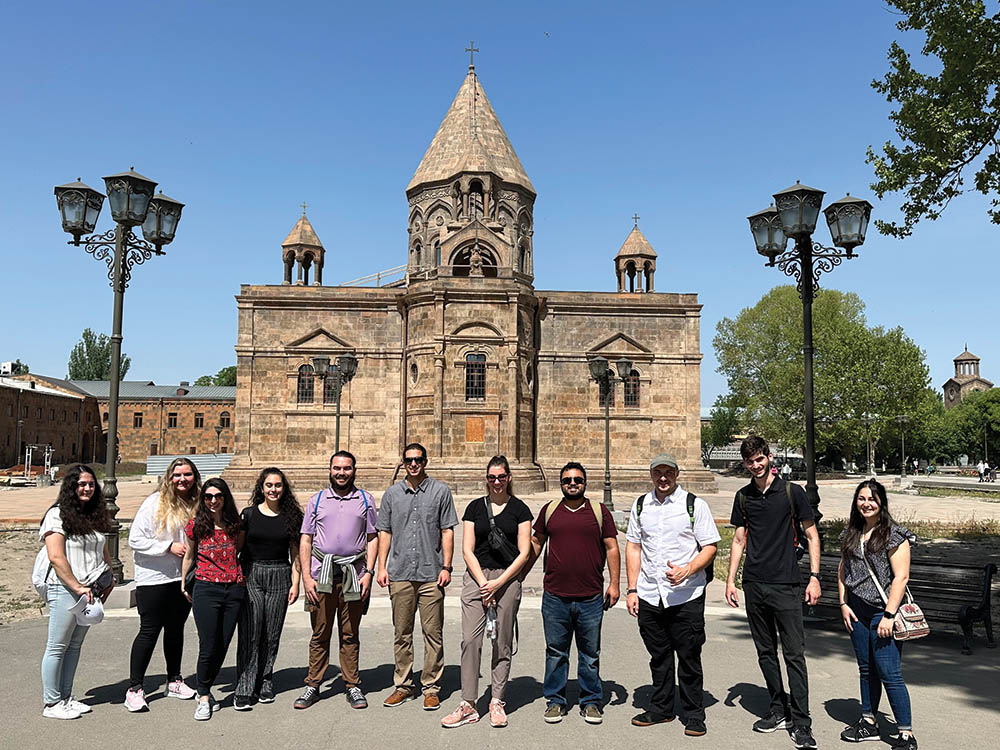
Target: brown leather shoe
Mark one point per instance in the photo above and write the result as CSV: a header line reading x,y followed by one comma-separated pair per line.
x,y
399,695
432,702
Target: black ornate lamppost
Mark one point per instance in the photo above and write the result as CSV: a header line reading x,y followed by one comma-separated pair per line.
x,y
218,438
793,215
902,420
342,373
133,203
605,377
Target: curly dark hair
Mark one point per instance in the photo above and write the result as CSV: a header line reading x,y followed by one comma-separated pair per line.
x,y
288,507
204,524
856,525
79,519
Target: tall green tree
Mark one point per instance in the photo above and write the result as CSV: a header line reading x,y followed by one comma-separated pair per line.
x,y
90,359
225,376
720,431
947,120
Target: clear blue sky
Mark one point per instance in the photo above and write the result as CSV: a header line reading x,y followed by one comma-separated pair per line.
x,y
691,114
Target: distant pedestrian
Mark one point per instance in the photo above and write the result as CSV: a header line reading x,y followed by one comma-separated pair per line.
x,y
158,545
270,561
786,471
980,468
219,588
874,570
496,543
73,532
765,513
672,541
581,537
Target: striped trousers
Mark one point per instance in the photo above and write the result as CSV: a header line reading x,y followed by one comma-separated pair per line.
x,y
263,616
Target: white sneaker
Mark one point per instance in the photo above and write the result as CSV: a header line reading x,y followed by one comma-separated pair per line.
x,y
135,700
78,706
60,711
203,710
179,689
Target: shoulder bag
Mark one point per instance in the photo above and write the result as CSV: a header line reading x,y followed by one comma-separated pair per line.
x,y
498,542
909,623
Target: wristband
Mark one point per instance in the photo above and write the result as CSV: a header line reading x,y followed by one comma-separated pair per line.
x,y
632,591
889,615
446,567
814,575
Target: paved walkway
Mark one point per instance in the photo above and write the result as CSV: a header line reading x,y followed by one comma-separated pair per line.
x,y
952,695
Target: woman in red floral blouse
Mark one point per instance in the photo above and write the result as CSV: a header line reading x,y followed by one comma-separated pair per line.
x,y
219,588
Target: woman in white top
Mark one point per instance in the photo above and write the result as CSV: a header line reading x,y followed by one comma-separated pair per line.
x,y
73,532
158,544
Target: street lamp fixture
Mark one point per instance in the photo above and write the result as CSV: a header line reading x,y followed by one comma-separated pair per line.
x,y
218,438
342,373
793,215
605,377
131,201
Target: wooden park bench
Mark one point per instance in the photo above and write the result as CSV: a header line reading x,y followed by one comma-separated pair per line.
x,y
946,592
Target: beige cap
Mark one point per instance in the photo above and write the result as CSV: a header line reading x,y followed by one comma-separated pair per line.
x,y
664,459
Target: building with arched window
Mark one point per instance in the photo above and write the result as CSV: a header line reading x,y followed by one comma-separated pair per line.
x,y
462,353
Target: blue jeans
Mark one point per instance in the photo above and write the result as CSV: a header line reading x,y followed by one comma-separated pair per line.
x,y
561,619
62,651
879,663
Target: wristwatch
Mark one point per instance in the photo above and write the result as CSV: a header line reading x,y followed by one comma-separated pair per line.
x,y
889,615
632,591
815,575
446,567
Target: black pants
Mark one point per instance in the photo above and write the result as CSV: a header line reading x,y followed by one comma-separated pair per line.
x,y
161,607
216,612
263,617
774,610
676,630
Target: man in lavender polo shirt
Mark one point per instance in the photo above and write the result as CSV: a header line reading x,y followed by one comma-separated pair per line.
x,y
337,553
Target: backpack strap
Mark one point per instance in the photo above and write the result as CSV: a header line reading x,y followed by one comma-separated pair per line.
x,y
599,515
549,510
553,505
638,504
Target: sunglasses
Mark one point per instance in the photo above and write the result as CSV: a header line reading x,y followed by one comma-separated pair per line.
x,y
572,480
414,460
213,496
496,477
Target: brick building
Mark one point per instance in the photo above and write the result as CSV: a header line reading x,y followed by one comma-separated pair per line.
x,y
161,419
464,355
32,412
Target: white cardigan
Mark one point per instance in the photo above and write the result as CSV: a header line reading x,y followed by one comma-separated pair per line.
x,y
154,564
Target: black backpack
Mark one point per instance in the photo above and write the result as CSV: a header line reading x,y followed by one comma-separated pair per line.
x,y
710,568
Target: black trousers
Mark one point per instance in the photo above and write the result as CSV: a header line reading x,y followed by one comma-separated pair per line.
x,y
161,607
216,613
263,616
667,631
774,610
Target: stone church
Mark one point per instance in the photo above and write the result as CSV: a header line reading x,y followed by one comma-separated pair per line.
x,y
463,354
965,381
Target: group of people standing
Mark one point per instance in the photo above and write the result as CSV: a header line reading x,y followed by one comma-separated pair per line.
x,y
240,571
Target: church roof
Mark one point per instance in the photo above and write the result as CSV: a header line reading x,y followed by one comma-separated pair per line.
x,y
470,139
302,234
636,244
966,356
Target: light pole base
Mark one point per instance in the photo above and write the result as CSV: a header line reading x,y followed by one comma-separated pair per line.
x,y
608,502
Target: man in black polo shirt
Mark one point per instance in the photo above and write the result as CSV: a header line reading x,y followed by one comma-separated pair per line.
x,y
765,528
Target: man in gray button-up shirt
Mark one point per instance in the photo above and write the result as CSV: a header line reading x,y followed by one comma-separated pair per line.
x,y
416,521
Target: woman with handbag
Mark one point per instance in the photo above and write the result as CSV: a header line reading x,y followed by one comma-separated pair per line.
x,y
217,588
158,545
496,539
73,532
874,570
271,565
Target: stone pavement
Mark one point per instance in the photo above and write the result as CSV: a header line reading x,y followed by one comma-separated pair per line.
x,y
953,696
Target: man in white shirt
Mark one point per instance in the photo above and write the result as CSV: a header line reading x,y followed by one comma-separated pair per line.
x,y
671,543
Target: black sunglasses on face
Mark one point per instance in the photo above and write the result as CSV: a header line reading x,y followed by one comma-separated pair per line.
x,y
212,496
496,477
412,460
573,480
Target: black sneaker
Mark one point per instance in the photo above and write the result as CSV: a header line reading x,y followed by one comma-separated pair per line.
x,y
771,723
695,728
309,696
242,702
267,692
863,731
355,698
907,743
648,719
802,738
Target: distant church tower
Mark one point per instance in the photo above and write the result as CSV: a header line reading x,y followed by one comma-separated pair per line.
x,y
965,381
635,263
302,249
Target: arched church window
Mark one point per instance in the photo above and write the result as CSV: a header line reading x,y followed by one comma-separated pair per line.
x,y
521,258
476,201
632,390
304,387
416,256
475,377
437,253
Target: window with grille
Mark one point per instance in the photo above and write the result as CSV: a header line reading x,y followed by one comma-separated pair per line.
x,y
137,419
199,420
224,419
304,391
632,390
475,377
172,419
330,389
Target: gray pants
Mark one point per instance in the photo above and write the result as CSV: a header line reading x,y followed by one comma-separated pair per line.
x,y
508,600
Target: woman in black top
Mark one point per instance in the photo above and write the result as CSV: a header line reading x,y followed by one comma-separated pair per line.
x,y
270,527
874,570
491,589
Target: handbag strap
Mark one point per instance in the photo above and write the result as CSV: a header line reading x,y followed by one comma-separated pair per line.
x,y
489,512
881,591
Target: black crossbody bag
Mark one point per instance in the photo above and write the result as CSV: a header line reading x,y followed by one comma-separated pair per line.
x,y
498,542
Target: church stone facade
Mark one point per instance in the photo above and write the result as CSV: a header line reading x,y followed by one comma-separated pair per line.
x,y
965,381
463,354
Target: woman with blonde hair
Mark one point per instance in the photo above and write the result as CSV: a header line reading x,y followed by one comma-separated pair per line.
x,y
158,543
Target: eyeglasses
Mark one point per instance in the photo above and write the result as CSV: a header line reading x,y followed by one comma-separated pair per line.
x,y
212,496
572,480
414,460
496,477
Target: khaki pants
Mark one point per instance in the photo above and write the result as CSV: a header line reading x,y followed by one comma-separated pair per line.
x,y
508,600
348,615
407,597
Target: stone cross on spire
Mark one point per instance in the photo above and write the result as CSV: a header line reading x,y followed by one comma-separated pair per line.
x,y
472,49
635,218
303,208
